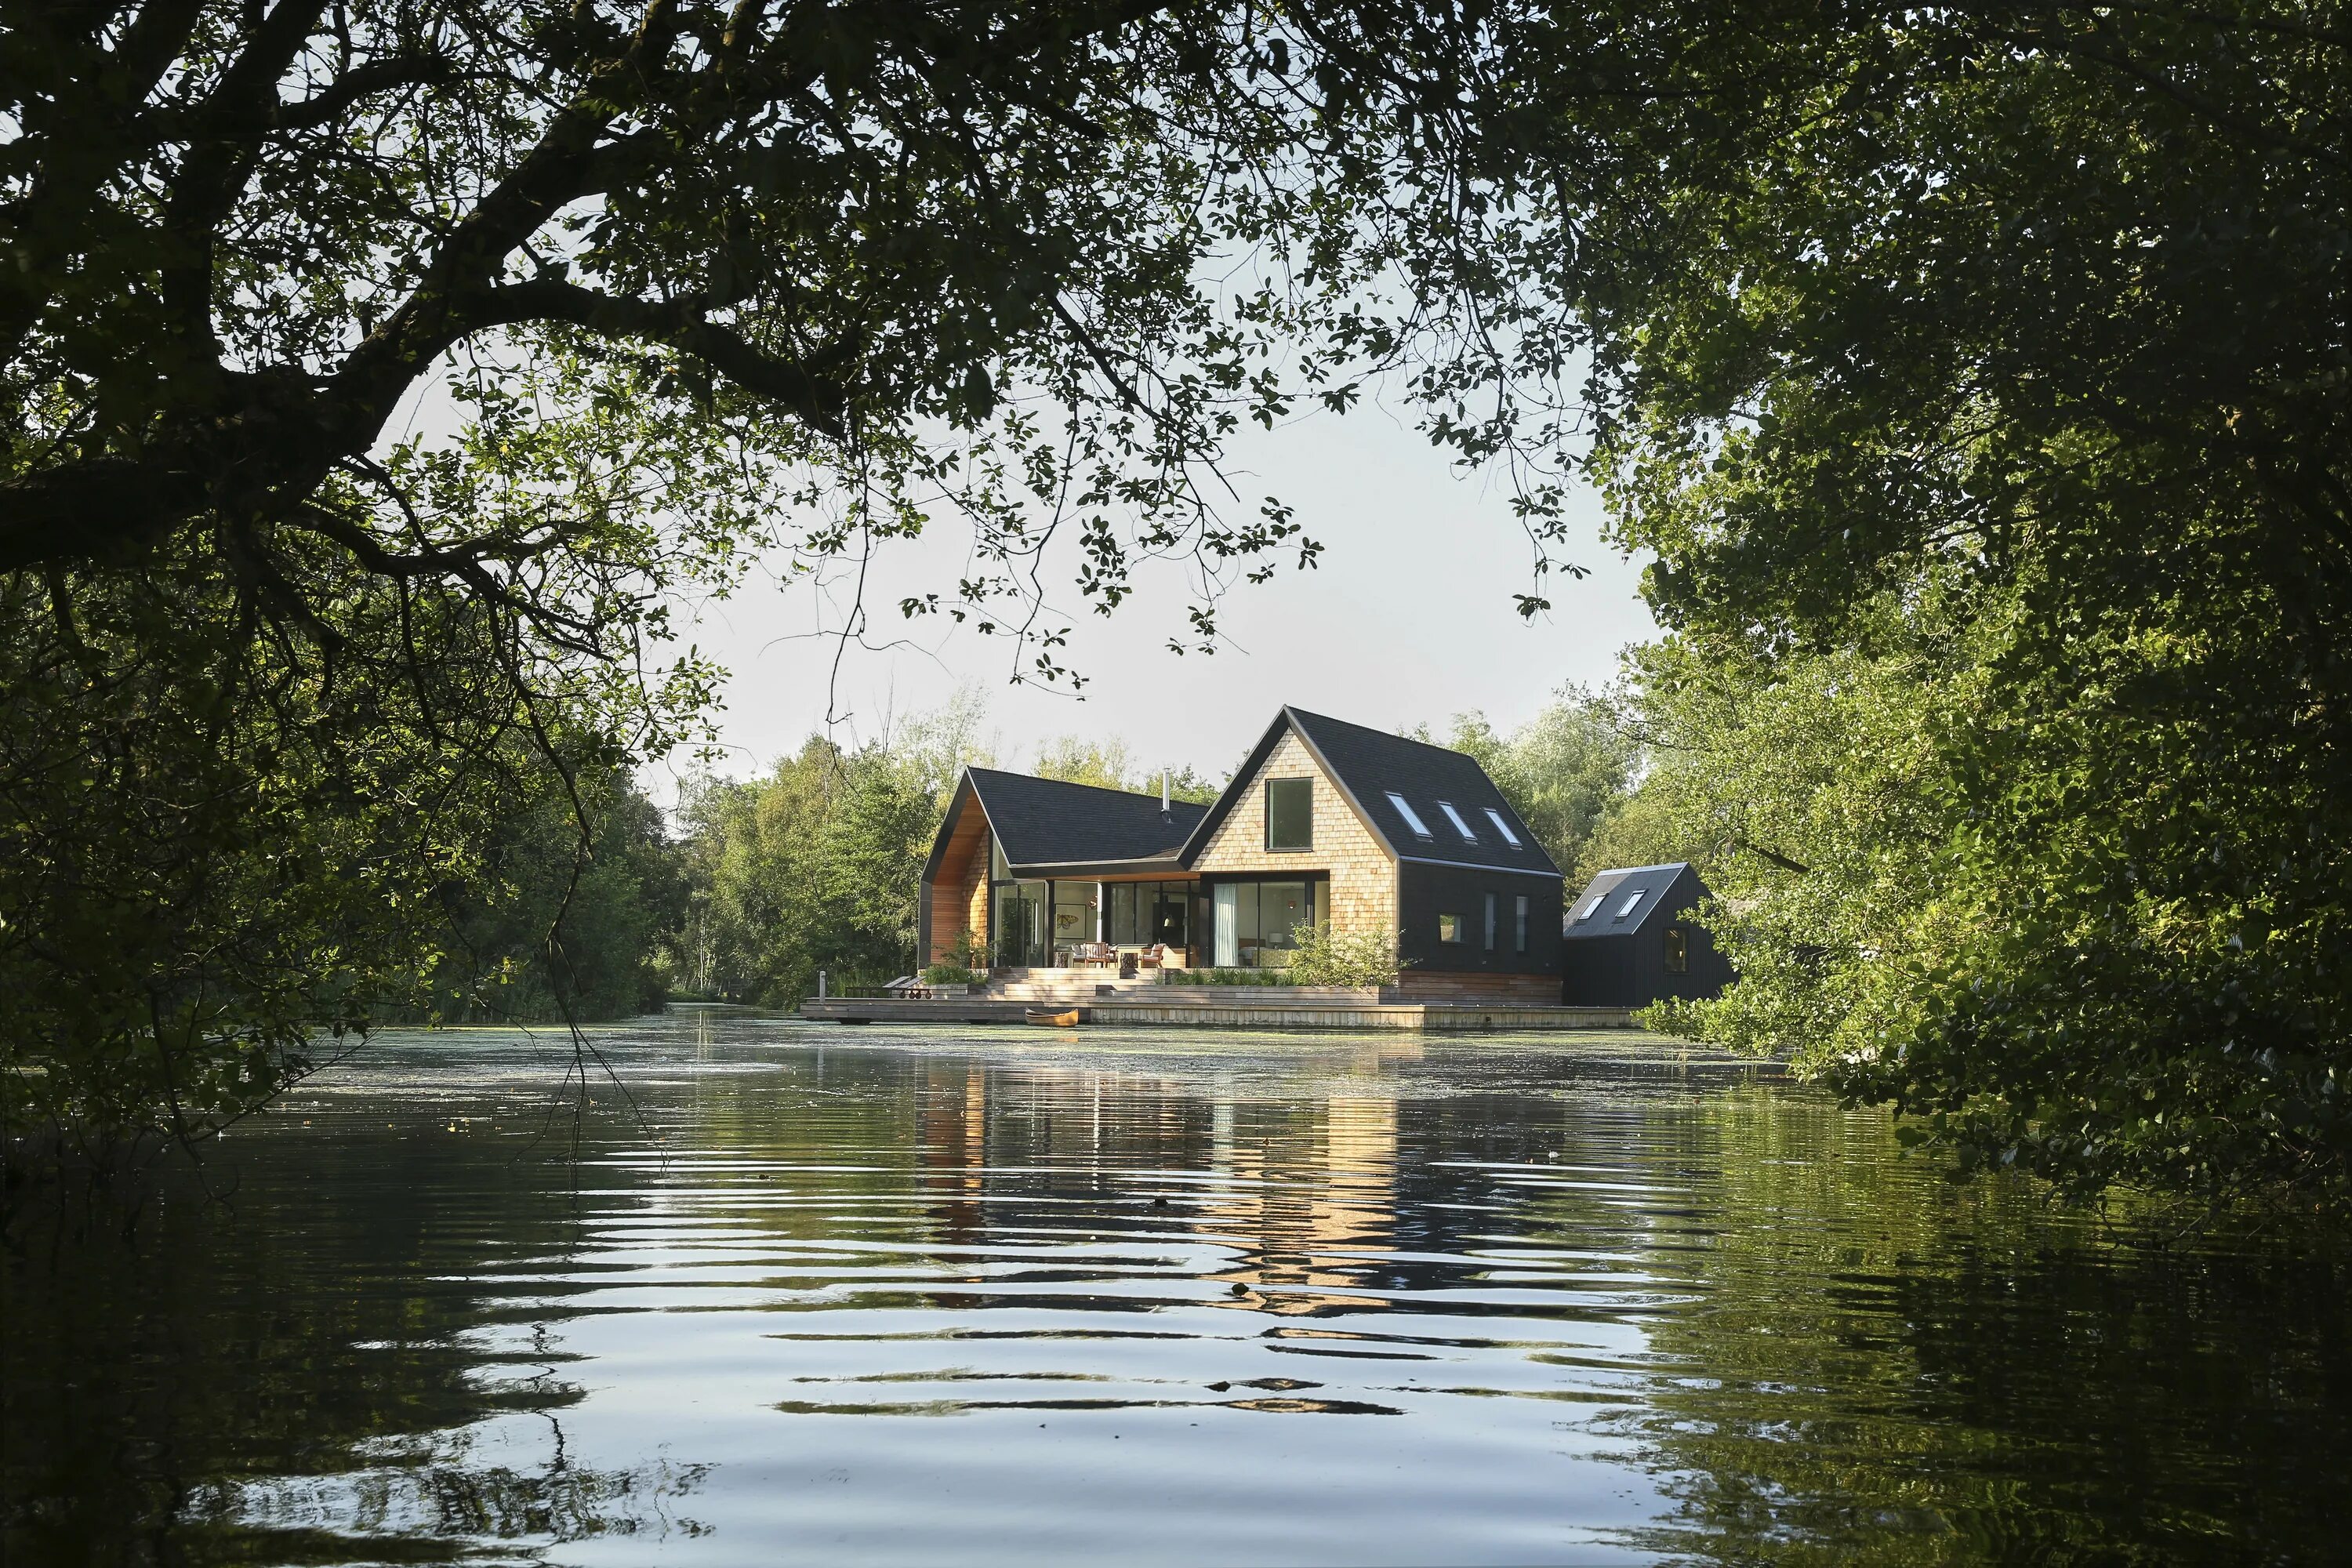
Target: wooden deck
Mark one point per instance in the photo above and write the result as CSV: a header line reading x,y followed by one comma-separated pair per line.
x,y
1227,1006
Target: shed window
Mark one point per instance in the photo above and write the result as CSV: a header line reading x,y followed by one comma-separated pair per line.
x,y
1454,818
1449,927
1590,906
1412,818
1290,814
1677,950
1632,902
1502,828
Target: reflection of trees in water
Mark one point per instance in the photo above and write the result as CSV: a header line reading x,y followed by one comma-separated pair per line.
x,y
1959,1373
157,1340
442,1496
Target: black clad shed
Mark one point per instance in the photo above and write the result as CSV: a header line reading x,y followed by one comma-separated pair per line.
x,y
1628,940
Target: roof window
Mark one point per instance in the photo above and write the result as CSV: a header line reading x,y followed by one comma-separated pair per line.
x,y
1502,828
1454,818
1591,904
1412,818
1632,901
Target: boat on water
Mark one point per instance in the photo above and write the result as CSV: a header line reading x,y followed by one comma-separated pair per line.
x,y
1062,1017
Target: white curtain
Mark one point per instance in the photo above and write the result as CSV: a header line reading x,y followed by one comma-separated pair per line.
x,y
1228,944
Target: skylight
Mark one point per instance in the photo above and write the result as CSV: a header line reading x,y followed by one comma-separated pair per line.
x,y
1412,818
1454,818
1591,904
1631,901
1502,828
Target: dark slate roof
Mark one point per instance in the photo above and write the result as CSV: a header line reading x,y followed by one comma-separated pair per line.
x,y
1368,764
1654,883
1046,824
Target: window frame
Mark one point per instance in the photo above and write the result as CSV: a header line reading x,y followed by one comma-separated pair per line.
x,y
1503,828
1632,902
1456,924
1460,825
1412,818
1493,921
1266,801
1676,948
1591,907
1519,924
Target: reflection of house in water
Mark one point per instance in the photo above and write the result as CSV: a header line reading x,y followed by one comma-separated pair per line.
x,y
1289,1185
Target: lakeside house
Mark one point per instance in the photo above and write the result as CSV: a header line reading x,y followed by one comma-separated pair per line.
x,y
1325,824
1630,940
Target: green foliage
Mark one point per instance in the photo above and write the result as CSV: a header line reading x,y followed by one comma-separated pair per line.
x,y
1227,977
558,926
813,867
1108,765
953,975
1980,386
1565,771
1351,958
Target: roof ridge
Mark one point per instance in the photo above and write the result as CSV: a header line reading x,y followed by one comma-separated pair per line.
x,y
1073,784
1383,734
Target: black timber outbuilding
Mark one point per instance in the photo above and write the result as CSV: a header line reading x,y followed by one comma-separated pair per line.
x,y
1628,940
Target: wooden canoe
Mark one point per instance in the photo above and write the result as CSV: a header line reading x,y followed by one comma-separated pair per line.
x,y
1061,1017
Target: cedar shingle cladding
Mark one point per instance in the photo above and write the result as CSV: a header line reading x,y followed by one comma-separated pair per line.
x,y
1384,874
1363,872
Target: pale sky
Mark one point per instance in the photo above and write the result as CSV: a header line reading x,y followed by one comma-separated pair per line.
x,y
1408,619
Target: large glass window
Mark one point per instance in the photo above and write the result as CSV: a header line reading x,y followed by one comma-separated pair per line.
x,y
1259,922
1075,914
1520,925
1136,914
1493,900
1016,924
1290,814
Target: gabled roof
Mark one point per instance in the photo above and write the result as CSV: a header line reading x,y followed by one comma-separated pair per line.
x,y
1655,888
1048,827
1367,765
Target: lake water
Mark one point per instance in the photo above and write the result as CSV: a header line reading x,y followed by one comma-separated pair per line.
x,y
816,1294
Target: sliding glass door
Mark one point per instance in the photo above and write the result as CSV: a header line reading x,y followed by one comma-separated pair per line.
x,y
1259,922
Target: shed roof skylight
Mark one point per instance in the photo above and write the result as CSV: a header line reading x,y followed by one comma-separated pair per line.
x,y
1591,904
1502,828
1412,818
1631,901
1454,818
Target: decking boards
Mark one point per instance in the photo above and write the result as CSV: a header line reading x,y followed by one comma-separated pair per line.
x,y
1238,1007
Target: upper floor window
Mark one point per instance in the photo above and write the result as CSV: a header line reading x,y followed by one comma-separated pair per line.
x,y
1412,818
1454,818
1290,814
1502,828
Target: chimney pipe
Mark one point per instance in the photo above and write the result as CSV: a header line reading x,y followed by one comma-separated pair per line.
x,y
1163,793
